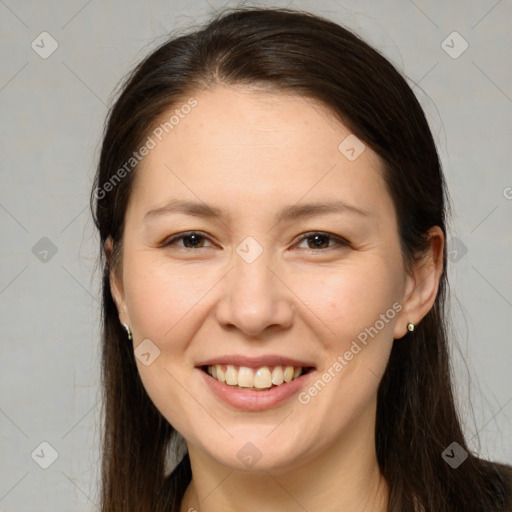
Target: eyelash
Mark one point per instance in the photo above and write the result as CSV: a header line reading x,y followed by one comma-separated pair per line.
x,y
339,241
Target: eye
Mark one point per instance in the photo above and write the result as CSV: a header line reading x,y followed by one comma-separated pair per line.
x,y
192,239
320,240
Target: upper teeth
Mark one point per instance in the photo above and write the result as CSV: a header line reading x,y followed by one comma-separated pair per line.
x,y
260,378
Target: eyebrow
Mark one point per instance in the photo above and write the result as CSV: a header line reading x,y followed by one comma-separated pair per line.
x,y
288,213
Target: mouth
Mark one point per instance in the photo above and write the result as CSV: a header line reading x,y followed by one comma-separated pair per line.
x,y
261,378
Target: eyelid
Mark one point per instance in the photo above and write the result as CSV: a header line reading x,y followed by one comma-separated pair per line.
x,y
179,236
340,241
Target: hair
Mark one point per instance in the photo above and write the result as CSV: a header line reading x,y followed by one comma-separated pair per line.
x,y
294,52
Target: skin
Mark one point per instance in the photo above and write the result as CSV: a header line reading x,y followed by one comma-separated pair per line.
x,y
253,153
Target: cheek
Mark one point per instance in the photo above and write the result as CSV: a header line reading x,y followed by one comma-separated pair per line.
x,y
161,299
356,304
348,300
163,306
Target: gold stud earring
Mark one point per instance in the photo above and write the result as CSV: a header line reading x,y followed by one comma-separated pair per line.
x,y
128,330
410,327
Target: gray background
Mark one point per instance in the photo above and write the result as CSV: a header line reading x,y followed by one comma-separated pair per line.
x,y
52,112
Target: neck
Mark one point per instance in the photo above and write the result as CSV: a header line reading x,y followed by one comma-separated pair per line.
x,y
345,476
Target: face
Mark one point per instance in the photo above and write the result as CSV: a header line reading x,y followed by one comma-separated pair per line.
x,y
271,276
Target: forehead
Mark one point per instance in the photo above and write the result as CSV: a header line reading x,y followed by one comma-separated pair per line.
x,y
243,147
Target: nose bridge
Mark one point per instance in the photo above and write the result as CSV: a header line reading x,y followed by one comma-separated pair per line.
x,y
254,297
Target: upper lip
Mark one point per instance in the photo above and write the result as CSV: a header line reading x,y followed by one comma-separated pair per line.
x,y
255,362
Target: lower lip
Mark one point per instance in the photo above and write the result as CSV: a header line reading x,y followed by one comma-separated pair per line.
x,y
255,400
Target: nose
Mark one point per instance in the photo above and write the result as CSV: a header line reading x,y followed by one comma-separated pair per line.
x,y
255,297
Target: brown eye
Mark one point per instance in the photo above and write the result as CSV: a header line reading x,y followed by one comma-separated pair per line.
x,y
191,240
321,240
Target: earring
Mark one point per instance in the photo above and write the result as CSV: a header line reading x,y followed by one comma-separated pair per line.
x,y
410,327
129,332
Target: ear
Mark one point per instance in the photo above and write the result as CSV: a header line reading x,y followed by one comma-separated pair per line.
x,y
422,284
116,283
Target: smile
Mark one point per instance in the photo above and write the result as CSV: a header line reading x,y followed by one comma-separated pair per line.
x,y
261,378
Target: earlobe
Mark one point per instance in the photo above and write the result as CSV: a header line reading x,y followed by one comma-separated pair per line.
x,y
422,285
403,319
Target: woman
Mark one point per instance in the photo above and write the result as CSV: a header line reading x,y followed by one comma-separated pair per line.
x,y
271,209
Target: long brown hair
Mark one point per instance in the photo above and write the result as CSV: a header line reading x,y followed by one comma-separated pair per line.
x,y
301,53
